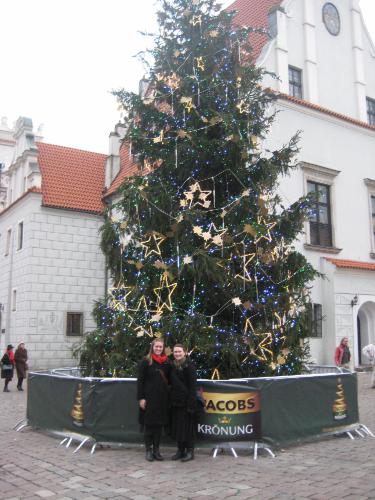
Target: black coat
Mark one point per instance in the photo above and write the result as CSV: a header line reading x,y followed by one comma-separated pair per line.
x,y
7,374
153,387
184,386
183,399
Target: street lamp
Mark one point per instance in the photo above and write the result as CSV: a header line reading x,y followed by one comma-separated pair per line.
x,y
354,301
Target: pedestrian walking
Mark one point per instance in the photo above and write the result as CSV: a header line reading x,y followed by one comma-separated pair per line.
x,y
342,354
183,404
7,366
153,395
369,351
20,358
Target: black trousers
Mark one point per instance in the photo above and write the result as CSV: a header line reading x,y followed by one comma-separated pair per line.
x,y
152,435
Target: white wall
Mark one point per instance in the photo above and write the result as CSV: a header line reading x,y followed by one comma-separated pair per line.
x,y
59,269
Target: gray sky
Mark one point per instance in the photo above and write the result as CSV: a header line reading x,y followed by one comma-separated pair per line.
x,y
61,58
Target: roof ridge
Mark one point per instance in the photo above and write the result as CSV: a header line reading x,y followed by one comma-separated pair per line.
x,y
71,148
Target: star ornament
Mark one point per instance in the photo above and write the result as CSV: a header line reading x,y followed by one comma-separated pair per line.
x,y
188,103
152,244
236,301
246,259
243,107
173,81
164,295
263,350
267,233
141,331
159,138
196,20
118,295
216,239
196,197
199,62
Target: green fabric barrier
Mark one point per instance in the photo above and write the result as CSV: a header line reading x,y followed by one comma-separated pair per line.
x,y
276,410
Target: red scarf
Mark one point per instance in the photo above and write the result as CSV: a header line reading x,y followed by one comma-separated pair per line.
x,y
11,356
159,359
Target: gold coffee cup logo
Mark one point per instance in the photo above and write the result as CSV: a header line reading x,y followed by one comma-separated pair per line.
x,y
232,403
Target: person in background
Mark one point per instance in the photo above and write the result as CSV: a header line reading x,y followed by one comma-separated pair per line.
x,y
342,354
7,366
369,352
20,358
152,395
183,404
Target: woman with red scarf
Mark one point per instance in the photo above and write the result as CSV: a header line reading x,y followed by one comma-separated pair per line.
x,y
7,366
152,395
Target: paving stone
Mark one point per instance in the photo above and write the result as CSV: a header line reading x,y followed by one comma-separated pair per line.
x,y
44,493
35,465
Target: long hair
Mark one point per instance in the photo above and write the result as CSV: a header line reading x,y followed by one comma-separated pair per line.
x,y
342,340
149,355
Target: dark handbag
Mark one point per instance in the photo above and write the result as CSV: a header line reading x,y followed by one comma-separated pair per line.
x,y
7,367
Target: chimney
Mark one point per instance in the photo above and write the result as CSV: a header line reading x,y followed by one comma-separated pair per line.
x,y
112,167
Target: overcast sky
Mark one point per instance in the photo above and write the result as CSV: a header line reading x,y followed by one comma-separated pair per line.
x,y
61,58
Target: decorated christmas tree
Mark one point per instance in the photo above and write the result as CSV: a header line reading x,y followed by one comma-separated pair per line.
x,y
200,247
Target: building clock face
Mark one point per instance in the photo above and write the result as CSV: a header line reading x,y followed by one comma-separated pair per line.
x,y
331,18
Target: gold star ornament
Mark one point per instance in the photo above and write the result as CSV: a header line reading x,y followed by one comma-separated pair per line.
x,y
152,244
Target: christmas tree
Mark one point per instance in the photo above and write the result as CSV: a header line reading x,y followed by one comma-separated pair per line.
x,y
200,246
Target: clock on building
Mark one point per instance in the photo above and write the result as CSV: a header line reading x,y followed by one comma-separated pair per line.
x,y
331,18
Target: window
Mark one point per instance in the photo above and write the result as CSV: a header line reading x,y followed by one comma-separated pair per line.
x,y
373,216
14,300
20,236
74,324
314,320
320,215
370,110
295,82
7,242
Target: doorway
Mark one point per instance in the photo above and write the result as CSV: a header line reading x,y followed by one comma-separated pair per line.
x,y
365,330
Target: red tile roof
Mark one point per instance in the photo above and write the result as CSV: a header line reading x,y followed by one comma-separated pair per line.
x,y
71,178
254,13
327,111
127,169
352,264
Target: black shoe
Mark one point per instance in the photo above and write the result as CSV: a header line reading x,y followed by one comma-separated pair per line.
x,y
6,389
19,388
157,455
178,455
149,455
189,455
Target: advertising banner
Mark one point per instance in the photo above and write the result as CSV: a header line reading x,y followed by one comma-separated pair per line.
x,y
276,410
232,412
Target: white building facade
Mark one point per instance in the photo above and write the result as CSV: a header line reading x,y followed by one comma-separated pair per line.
x,y
51,266
325,61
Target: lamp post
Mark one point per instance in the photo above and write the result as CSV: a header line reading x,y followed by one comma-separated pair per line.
x,y
354,300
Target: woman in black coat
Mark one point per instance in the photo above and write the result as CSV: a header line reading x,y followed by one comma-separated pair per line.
x,y
183,400
7,367
152,395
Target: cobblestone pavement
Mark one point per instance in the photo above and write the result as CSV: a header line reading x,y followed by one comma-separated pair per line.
x,y
34,466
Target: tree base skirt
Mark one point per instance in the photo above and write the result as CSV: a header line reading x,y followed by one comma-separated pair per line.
x,y
277,411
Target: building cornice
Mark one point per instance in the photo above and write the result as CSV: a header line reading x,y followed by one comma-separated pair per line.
x,y
309,106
